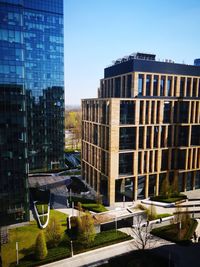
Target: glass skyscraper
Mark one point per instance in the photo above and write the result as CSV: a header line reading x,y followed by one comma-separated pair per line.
x,y
31,97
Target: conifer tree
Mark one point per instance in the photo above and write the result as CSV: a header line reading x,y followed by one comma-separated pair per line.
x,y
40,247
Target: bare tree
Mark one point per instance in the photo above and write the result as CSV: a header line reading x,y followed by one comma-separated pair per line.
x,y
141,233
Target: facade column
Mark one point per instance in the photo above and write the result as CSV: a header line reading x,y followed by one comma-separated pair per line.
x,y
113,148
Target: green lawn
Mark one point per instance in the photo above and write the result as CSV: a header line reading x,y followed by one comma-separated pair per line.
x,y
26,236
41,208
170,199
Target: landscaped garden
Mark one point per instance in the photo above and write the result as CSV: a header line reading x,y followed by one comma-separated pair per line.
x,y
38,246
169,192
26,237
178,232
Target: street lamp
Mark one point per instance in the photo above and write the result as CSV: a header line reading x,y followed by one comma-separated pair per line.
x,y
72,208
72,252
17,252
116,223
124,201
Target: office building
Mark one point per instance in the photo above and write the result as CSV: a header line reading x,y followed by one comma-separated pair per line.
x,y
144,126
31,98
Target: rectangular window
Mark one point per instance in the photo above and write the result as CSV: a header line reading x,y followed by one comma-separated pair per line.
x,y
169,85
117,86
155,85
183,111
183,135
194,87
166,113
164,163
140,84
125,163
148,85
182,86
162,86
127,112
148,137
127,138
141,135
129,81
141,111
188,86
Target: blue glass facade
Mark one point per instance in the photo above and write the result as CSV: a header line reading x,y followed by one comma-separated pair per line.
x,y
31,97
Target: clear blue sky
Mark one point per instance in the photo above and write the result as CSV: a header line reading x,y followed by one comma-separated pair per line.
x,y
99,31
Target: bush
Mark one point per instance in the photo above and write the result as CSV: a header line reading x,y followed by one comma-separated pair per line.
x,y
171,199
172,232
86,229
40,247
53,233
94,207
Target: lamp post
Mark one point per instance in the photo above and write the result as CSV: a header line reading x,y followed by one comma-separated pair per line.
x,y
124,201
17,252
72,252
72,208
116,223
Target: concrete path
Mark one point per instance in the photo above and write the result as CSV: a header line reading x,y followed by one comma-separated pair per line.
x,y
69,211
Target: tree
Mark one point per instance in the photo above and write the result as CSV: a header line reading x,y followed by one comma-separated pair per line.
x,y
53,233
86,229
151,213
174,187
40,247
141,233
165,187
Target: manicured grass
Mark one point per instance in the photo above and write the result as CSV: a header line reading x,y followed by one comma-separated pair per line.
x,y
171,199
26,236
42,208
173,233
94,207
163,215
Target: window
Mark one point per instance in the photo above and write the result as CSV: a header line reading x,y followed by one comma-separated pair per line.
x,y
140,84
188,86
148,85
127,138
181,159
127,112
129,81
169,86
155,85
117,86
166,114
162,85
141,135
182,86
125,163
183,111
164,163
